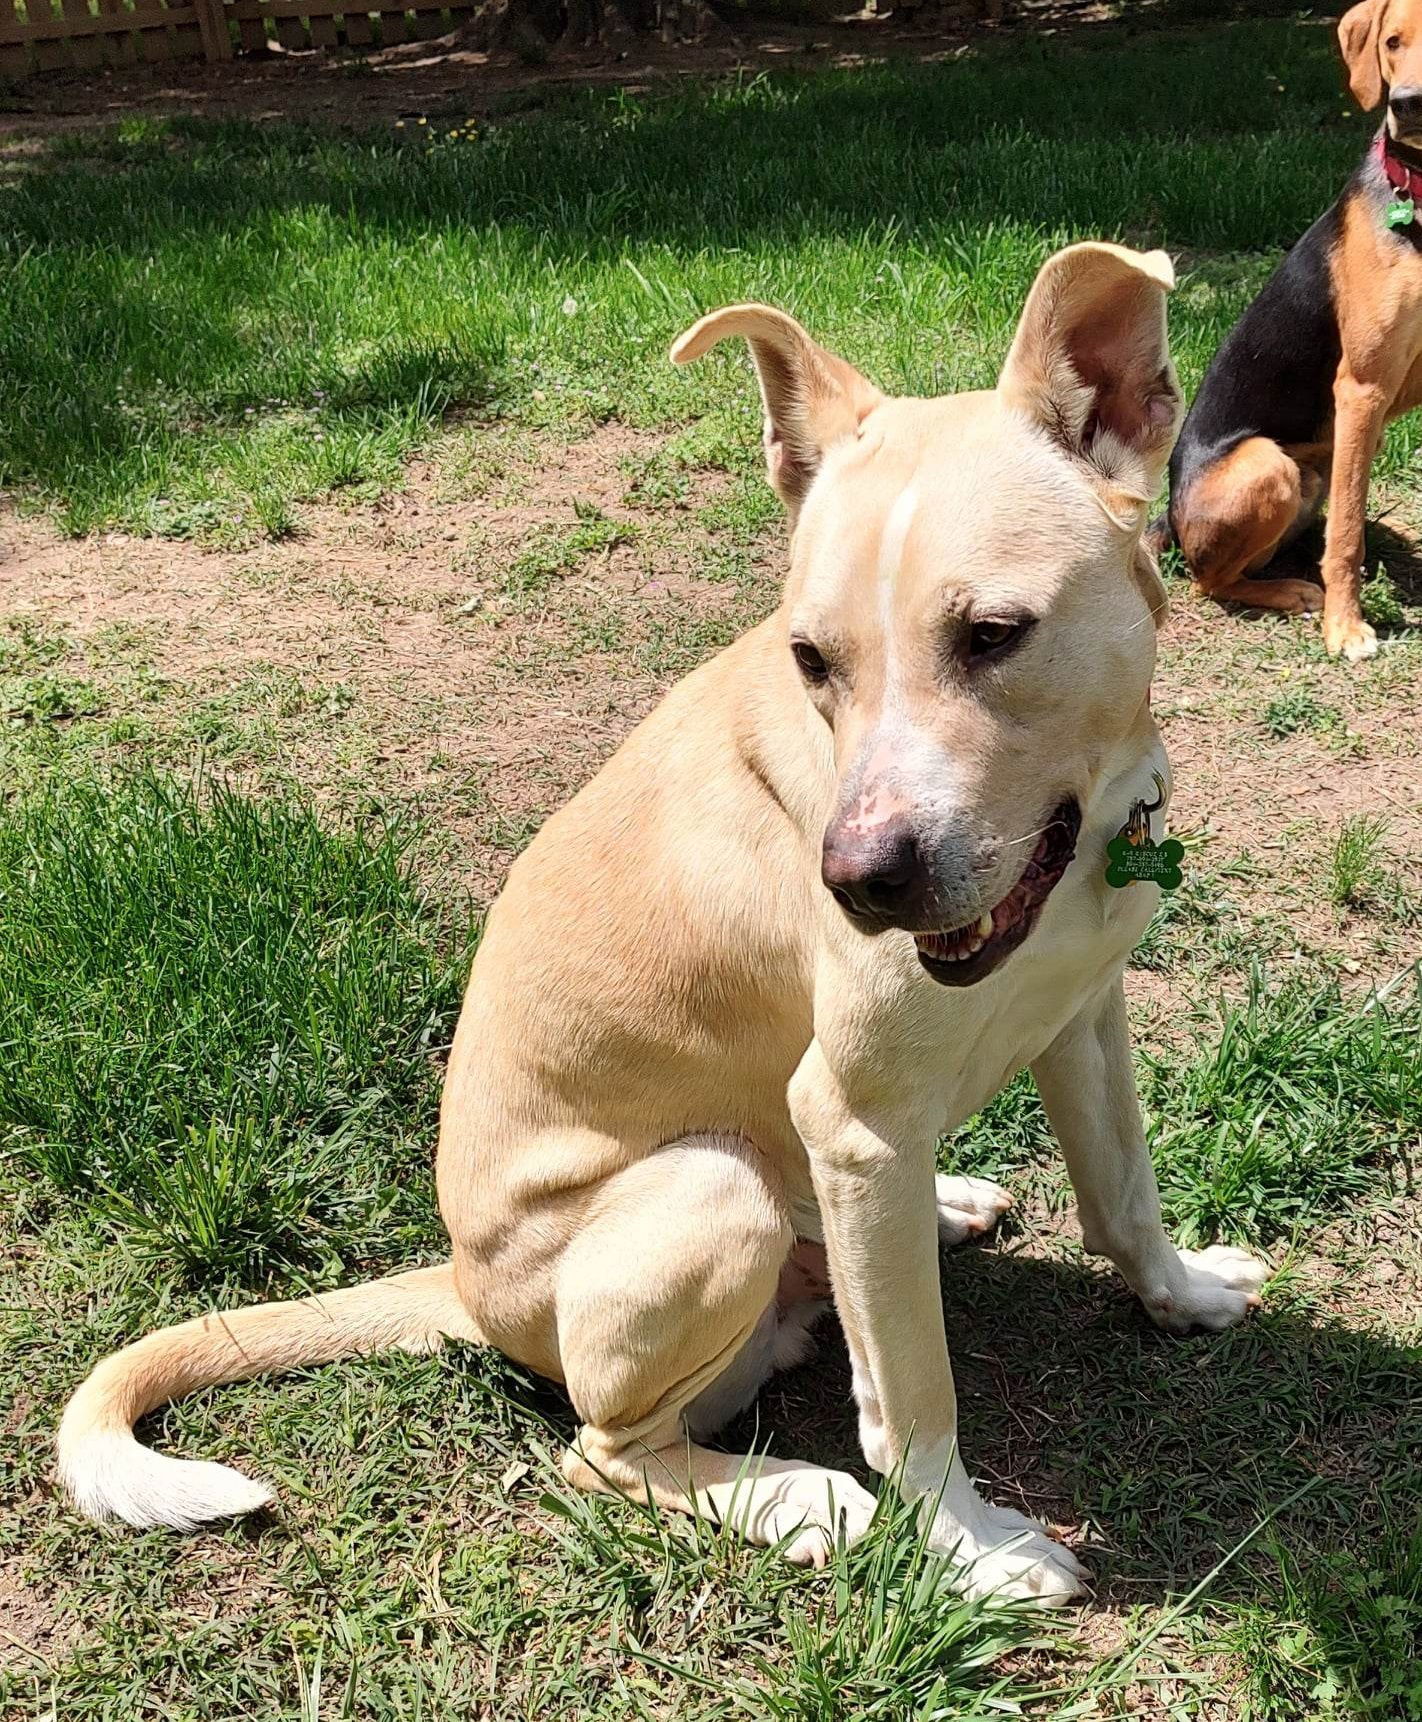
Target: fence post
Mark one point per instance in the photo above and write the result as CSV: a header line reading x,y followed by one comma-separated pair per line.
x,y
212,22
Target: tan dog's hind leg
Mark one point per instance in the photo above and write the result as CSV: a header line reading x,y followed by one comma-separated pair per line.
x,y
659,1295
1235,518
1089,1090
1360,413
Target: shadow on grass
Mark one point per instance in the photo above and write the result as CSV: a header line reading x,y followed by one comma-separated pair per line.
x,y
175,285
1074,1409
1396,553
1167,1453
1400,556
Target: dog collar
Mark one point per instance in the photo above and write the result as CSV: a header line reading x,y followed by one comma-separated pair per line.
x,y
1405,181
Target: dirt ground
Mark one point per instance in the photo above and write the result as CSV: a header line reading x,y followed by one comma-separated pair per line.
x,y
394,653
378,656
445,78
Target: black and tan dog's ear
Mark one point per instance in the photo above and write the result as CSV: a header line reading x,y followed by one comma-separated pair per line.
x,y
1090,365
1358,39
812,398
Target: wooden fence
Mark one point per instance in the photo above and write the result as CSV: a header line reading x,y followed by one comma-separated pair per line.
x,y
54,35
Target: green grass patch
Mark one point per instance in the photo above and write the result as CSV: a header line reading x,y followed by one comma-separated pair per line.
x,y
557,550
220,1022
1300,710
46,698
1357,868
1295,1105
1292,1106
1347,1642
207,322
1382,602
884,1637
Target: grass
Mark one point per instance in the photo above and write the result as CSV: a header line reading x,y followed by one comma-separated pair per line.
x,y
1382,603
224,1003
210,322
554,551
1250,1139
886,1637
1300,709
219,1016
1356,869
1248,1133
1365,1639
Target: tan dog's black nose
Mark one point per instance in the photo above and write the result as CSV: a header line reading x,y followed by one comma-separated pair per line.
x,y
876,875
1406,106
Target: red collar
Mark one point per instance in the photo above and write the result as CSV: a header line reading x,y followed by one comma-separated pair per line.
x,y
1405,180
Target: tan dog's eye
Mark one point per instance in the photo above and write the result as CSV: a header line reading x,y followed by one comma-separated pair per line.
x,y
990,639
812,666
1393,43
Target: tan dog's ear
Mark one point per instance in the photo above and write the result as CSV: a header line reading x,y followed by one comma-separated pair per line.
x,y
812,398
1090,365
1358,38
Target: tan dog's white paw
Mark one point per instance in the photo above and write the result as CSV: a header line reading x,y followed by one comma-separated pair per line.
x,y
1351,636
967,1207
1221,1287
812,1508
1011,1558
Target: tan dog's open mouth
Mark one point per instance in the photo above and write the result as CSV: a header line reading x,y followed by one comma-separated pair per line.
x,y
966,954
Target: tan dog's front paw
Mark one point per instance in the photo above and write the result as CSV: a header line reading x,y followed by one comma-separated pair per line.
x,y
1011,1558
967,1207
1221,1287
811,1509
1349,635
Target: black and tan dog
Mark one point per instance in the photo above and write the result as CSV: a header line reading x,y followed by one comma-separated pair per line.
x,y
1294,405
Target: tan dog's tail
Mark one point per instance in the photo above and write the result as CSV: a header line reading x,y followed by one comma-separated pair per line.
x,y
111,1475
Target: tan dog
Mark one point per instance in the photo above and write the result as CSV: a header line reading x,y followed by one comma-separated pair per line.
x,y
1293,407
680,1053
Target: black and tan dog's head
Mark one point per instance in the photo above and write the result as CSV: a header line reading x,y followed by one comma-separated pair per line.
x,y
1382,49
969,608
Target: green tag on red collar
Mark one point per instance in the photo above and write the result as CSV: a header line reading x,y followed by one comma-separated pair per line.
x,y
1132,855
1401,211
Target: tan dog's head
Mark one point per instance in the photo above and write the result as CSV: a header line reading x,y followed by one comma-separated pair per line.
x,y
1382,49
969,605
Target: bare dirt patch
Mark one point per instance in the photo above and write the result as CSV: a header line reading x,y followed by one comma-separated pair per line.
x,y
446,77
32,1636
477,655
478,641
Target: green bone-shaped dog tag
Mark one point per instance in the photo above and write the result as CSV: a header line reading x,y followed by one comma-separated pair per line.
x,y
1159,863
1400,212
1132,855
